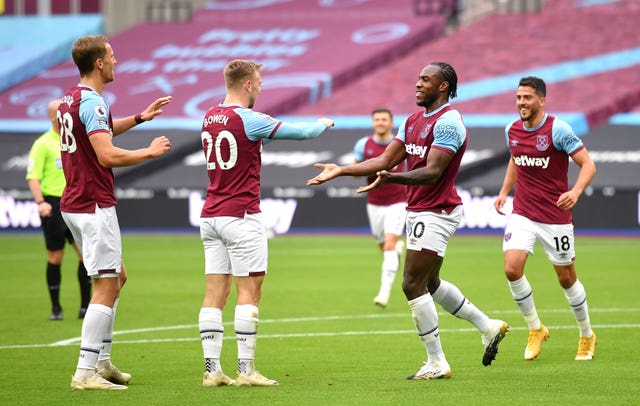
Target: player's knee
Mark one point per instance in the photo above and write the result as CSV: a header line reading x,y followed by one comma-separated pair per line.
x,y
513,273
413,286
433,284
566,280
409,290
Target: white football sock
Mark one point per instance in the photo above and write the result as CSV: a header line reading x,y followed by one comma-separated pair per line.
x,y
452,300
211,335
105,352
94,326
523,295
577,298
390,264
246,327
425,318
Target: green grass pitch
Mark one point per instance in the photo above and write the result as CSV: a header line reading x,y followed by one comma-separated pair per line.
x,y
319,334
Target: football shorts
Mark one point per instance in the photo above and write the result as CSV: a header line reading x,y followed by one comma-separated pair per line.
x,y
556,239
386,220
234,245
430,231
98,237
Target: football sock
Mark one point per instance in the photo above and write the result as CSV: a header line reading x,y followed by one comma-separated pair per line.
x,y
246,366
390,265
246,327
577,298
105,352
425,318
211,335
523,295
84,281
94,326
452,300
54,277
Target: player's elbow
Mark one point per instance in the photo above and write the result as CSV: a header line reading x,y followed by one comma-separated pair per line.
x,y
106,161
428,177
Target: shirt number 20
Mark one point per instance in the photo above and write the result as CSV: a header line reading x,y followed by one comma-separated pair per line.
x,y
213,151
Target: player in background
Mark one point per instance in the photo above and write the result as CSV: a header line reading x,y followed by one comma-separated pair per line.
x,y
88,201
46,182
232,231
433,143
386,206
540,145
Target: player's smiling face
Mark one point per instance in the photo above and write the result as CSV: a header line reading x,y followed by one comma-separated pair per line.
x,y
528,103
428,85
382,123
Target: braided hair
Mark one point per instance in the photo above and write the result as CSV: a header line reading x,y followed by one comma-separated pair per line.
x,y
450,76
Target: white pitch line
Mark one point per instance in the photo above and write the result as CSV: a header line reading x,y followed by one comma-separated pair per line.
x,y
316,334
368,332
331,318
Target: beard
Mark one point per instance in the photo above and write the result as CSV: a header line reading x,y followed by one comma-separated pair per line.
x,y
427,101
527,115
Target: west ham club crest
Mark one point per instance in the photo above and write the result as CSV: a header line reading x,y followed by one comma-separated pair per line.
x,y
542,142
425,131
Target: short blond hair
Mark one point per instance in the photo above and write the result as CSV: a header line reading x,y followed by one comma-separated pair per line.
x,y
238,70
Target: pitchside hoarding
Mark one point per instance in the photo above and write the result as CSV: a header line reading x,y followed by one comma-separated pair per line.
x,y
169,195
329,209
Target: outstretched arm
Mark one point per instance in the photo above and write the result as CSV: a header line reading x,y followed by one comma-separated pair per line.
x,y
123,124
392,156
437,162
302,131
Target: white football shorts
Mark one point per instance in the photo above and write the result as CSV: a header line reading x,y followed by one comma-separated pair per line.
x,y
234,245
556,239
98,237
431,232
386,219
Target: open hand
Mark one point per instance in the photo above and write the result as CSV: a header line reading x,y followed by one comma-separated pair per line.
x,y
383,177
155,108
329,171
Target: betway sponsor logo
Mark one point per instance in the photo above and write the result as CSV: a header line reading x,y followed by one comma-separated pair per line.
x,y
18,214
413,149
524,160
479,212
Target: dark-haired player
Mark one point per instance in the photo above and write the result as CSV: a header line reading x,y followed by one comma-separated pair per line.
x,y
386,206
433,142
540,146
